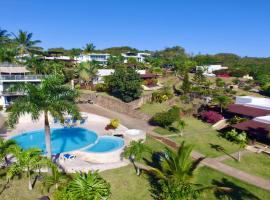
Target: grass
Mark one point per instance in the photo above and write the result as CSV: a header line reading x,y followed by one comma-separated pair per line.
x,y
18,189
203,137
126,185
153,108
253,163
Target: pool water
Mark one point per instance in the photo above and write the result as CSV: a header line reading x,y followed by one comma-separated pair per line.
x,y
62,139
106,144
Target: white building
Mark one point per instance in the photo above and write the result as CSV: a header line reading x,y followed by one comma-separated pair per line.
x,y
102,58
209,69
140,57
11,74
102,73
256,102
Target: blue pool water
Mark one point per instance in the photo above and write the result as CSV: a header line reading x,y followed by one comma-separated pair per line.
x,y
62,139
106,144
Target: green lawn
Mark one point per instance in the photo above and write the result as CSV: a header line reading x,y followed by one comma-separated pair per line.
x,y
126,185
153,108
253,163
17,189
203,137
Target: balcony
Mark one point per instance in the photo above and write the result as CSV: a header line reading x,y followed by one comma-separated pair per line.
x,y
21,78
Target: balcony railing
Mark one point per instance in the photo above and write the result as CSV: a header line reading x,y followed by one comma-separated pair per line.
x,y
21,77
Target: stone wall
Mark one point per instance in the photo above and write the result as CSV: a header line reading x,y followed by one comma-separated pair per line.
x,y
117,105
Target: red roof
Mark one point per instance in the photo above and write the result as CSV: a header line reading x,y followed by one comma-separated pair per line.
x,y
247,110
148,75
253,127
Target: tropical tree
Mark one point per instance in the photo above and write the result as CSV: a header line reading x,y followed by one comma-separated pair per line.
x,y
180,125
89,47
223,101
135,152
85,186
27,161
56,179
50,97
115,61
86,71
186,84
4,36
175,173
5,149
24,42
237,138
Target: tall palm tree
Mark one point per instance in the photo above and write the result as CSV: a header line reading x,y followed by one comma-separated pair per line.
x,y
50,97
5,149
24,42
89,47
27,161
135,152
56,179
89,186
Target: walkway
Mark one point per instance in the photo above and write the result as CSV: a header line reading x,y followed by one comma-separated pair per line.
x,y
209,162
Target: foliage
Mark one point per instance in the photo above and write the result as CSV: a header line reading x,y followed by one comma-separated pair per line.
x,y
114,123
220,82
101,87
186,85
211,117
165,119
89,47
174,175
199,78
6,147
223,101
125,83
236,120
85,186
26,161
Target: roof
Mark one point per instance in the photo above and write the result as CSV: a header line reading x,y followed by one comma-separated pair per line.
x,y
13,70
148,75
253,127
247,110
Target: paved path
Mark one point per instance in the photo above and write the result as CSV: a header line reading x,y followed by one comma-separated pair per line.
x,y
209,162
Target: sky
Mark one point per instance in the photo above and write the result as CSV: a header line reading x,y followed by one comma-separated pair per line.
x,y
200,26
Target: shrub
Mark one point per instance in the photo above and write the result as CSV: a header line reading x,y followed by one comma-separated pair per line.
x,y
236,120
77,86
101,87
165,119
211,116
114,123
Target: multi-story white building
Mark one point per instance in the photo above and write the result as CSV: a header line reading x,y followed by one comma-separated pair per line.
x,y
11,74
102,58
140,57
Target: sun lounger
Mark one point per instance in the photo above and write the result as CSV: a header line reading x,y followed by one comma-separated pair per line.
x,y
68,156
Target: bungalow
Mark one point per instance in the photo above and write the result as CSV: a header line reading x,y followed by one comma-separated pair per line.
x,y
101,58
140,57
209,69
10,75
257,112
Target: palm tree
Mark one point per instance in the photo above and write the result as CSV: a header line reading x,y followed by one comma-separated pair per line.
x,y
4,36
135,152
50,97
26,161
89,47
89,186
223,101
24,42
86,71
175,174
181,124
5,149
115,61
55,179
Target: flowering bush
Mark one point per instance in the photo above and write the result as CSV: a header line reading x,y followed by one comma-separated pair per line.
x,y
211,116
114,123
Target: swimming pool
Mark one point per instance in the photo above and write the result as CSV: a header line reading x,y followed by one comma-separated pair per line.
x,y
106,144
62,139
